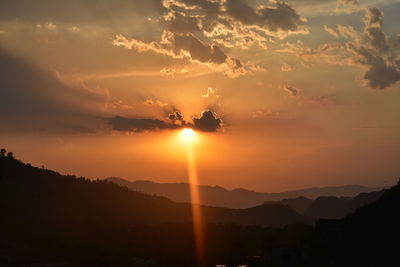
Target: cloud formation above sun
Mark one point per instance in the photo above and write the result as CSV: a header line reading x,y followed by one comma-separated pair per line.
x,y
208,121
282,82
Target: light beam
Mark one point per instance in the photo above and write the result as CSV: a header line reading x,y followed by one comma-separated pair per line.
x,y
188,136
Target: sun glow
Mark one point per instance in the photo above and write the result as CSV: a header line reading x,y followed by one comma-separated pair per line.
x,y
188,135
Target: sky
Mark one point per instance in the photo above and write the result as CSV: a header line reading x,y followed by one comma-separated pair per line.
x,y
282,94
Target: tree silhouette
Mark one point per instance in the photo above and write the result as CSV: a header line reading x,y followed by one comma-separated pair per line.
x,y
10,155
73,221
3,152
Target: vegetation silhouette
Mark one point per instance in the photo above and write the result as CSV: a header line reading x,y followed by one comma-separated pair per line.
x,y
50,219
329,207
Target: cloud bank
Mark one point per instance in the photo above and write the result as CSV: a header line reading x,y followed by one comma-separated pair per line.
x,y
208,121
371,49
42,102
32,99
198,31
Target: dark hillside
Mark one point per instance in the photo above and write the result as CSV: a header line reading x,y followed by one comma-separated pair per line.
x,y
368,237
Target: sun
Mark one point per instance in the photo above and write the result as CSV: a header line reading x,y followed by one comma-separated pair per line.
x,y
188,135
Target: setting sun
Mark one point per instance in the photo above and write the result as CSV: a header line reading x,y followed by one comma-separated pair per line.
x,y
188,135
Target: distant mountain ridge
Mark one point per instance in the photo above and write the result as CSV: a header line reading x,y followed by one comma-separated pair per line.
x,y
50,219
237,198
30,190
329,207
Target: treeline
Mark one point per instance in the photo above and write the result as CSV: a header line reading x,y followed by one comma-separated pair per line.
x,y
51,218
48,218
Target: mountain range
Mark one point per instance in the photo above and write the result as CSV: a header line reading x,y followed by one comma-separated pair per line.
x,y
328,207
237,198
29,190
49,219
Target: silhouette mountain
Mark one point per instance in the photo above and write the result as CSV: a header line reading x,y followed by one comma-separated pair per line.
x,y
336,208
237,198
48,219
328,207
29,190
299,204
367,237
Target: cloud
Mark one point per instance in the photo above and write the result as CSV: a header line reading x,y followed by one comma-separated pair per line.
x,y
119,123
291,90
187,46
322,100
41,101
207,122
286,67
234,23
264,113
278,17
49,26
373,20
371,49
168,72
210,92
155,103
348,32
347,6
331,31
380,61
74,29
380,72
177,118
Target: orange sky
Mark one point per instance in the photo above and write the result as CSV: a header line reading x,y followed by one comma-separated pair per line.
x,y
306,98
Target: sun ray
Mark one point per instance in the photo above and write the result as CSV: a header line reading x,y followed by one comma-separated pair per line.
x,y
188,136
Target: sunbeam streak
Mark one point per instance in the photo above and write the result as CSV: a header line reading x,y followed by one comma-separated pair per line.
x,y
189,136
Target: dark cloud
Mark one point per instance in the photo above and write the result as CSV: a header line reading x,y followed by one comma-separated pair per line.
x,y
371,49
176,117
197,50
207,122
292,91
380,72
275,17
180,23
123,124
34,99
373,20
341,5
181,16
376,56
186,45
280,17
234,22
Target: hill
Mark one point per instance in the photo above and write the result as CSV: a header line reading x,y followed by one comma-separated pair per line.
x,y
237,198
366,237
299,204
30,191
336,208
328,207
50,219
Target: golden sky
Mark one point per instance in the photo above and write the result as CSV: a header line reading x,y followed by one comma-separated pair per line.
x,y
282,94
